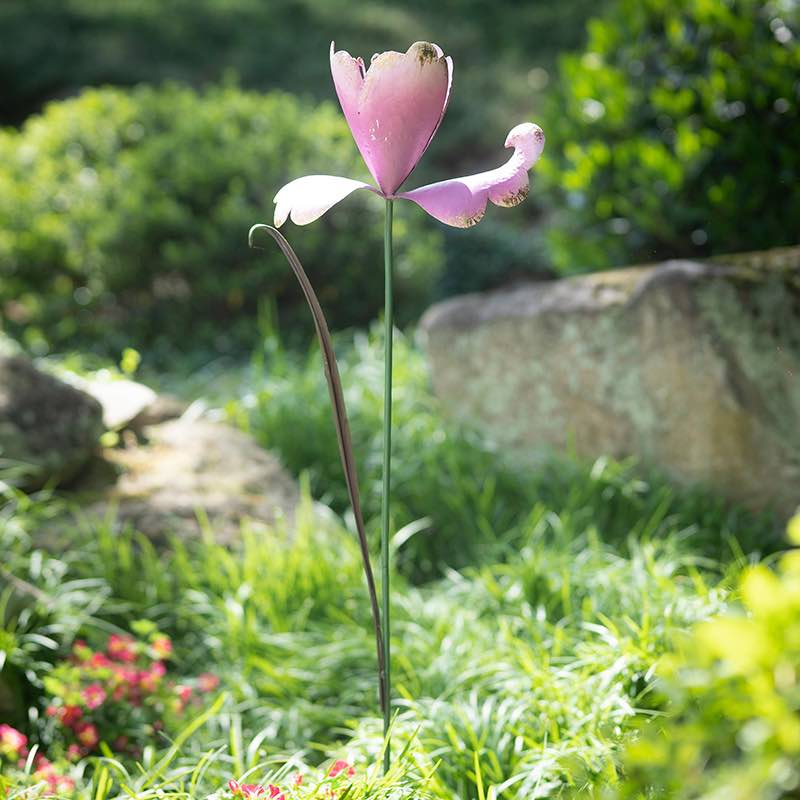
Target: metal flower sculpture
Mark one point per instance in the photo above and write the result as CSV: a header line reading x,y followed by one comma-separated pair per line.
x,y
394,108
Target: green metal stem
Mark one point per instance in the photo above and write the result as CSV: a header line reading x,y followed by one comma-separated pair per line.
x,y
387,481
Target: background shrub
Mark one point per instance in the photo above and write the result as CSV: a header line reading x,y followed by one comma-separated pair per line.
x,y
504,56
674,133
124,218
49,50
490,255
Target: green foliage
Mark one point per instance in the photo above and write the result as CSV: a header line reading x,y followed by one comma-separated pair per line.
x,y
455,499
284,44
124,219
732,727
527,672
40,606
492,254
520,676
674,133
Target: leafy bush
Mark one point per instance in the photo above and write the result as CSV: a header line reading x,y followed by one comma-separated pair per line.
x,y
491,255
124,219
120,694
284,44
732,724
674,133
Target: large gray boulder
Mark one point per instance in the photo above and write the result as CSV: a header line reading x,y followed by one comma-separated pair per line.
x,y
694,368
48,429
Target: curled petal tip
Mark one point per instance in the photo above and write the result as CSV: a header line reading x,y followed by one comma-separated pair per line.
x,y
529,137
461,202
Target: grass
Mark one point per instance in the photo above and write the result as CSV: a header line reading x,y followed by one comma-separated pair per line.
x,y
530,671
530,612
457,500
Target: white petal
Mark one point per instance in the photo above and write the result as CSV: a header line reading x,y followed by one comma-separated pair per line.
x,y
308,198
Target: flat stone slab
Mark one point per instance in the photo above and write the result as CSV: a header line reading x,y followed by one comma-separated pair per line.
x,y
188,466
122,400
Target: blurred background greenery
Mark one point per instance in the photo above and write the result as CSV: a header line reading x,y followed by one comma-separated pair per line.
x,y
140,139
657,113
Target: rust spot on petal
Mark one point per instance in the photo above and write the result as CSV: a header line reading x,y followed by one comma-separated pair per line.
x,y
514,198
426,53
468,222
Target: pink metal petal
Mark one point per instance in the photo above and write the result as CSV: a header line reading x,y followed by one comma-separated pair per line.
x,y
461,202
306,199
394,107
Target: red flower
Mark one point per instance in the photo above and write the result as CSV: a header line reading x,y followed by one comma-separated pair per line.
x,y
149,679
184,692
122,648
275,793
57,784
81,651
162,647
207,682
248,790
340,766
99,661
297,779
87,735
74,752
94,696
69,715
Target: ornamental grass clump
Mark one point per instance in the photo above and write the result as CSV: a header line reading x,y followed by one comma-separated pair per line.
x,y
393,107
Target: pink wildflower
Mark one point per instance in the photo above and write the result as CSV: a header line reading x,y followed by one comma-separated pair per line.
x,y
99,661
247,790
340,766
162,647
74,752
56,784
207,682
149,679
184,692
94,696
69,715
87,735
122,648
13,744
